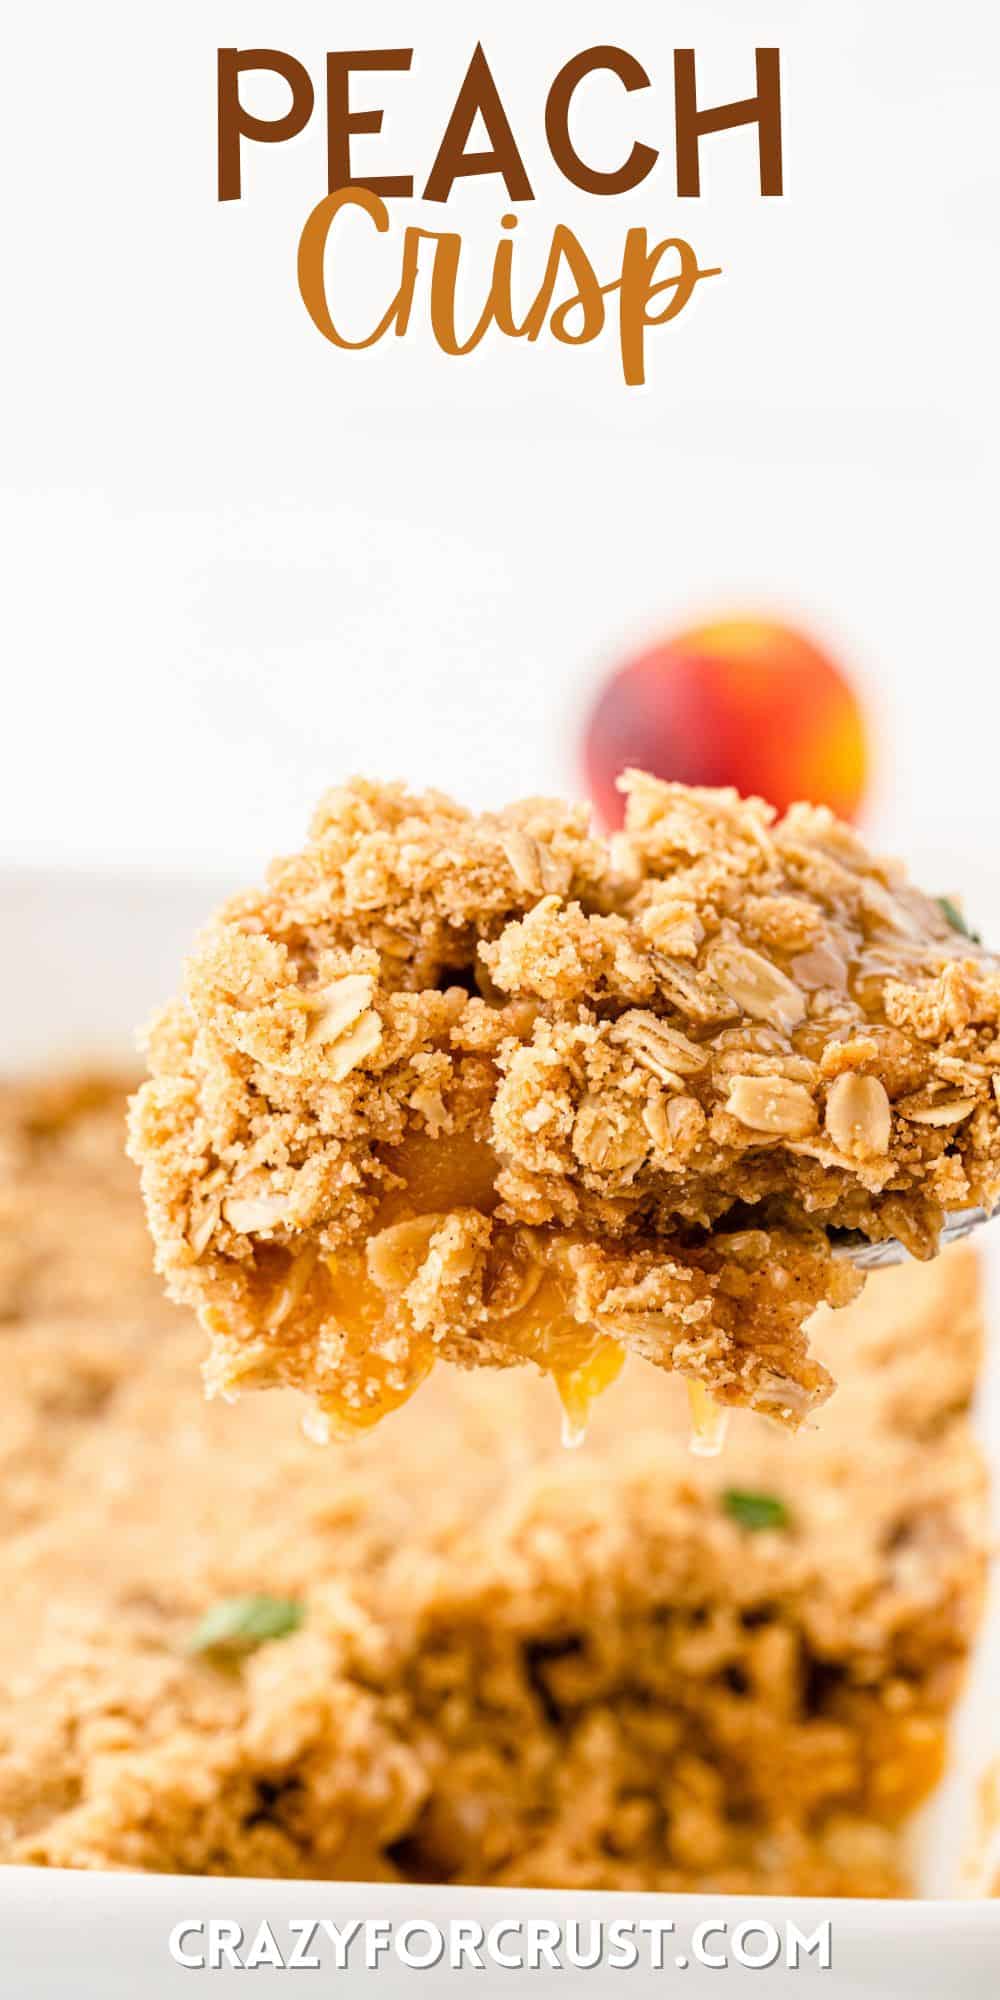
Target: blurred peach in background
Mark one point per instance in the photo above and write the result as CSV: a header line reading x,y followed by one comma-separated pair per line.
x,y
744,701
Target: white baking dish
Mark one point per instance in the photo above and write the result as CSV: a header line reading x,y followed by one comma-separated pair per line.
x,y
86,956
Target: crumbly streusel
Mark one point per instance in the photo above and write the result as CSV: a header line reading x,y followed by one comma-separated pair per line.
x,y
490,1089
517,1666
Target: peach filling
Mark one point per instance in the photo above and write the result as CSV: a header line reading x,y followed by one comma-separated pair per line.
x,y
709,1421
439,1175
386,1354
358,1308
581,1362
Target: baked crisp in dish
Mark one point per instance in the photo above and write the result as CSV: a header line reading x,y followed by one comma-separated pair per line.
x,y
621,1669
492,1090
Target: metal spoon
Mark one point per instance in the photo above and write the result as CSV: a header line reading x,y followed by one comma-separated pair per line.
x,y
850,1245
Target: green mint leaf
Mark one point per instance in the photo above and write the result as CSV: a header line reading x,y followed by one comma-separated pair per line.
x,y
755,1510
239,1624
954,916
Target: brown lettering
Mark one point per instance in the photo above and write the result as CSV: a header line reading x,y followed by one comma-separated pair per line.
x,y
764,111
236,123
478,95
641,160
341,121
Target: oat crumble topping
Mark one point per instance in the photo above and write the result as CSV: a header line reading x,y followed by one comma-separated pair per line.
x,y
489,1089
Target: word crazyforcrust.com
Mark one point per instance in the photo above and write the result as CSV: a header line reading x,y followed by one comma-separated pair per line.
x,y
512,1944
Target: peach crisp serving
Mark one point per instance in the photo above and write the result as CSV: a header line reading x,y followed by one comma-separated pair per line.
x,y
489,1089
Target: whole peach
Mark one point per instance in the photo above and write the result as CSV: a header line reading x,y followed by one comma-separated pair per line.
x,y
745,702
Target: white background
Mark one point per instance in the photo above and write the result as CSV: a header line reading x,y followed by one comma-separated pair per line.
x,y
238,564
